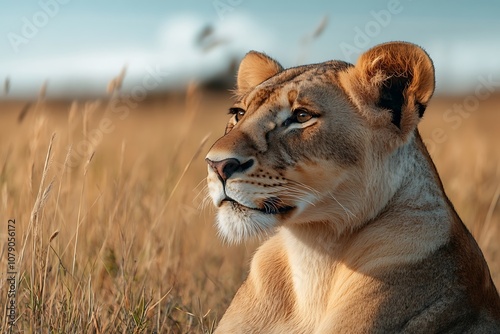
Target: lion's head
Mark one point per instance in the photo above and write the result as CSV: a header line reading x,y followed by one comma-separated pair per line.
x,y
317,143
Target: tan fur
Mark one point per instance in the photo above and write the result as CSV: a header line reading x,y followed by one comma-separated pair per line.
x,y
363,238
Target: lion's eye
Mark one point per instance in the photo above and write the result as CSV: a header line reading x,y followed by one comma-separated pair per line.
x,y
299,116
239,115
303,116
237,112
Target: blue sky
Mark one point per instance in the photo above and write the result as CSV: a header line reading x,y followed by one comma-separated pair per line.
x,y
79,45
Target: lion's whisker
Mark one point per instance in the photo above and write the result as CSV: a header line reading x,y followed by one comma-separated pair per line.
x,y
347,211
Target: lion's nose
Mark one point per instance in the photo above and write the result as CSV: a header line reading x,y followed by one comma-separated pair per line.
x,y
227,167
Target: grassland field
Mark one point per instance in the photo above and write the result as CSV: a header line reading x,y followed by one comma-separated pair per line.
x,y
113,230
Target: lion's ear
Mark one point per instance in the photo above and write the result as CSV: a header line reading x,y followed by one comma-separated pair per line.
x,y
397,77
255,68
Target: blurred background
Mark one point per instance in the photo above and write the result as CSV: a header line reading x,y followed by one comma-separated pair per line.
x,y
107,109
78,45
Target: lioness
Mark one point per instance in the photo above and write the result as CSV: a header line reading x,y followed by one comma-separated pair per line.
x,y
329,155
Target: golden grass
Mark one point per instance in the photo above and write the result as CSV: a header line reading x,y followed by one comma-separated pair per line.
x,y
116,240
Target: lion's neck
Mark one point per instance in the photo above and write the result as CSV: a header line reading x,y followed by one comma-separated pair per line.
x,y
313,258
413,185
412,202
406,182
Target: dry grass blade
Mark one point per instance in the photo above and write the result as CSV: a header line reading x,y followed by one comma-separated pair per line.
x,y
63,172
73,110
45,170
152,306
6,158
195,155
309,39
53,236
491,209
79,216
6,86
486,235
23,112
45,194
320,28
43,91
116,83
95,323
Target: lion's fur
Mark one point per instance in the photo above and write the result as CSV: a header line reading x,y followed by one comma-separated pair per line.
x,y
366,239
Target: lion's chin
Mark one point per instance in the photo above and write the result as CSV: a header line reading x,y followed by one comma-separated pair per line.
x,y
237,222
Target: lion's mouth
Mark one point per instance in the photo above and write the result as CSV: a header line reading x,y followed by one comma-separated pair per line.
x,y
271,206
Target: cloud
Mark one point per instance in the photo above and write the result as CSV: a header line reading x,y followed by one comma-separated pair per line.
x,y
188,48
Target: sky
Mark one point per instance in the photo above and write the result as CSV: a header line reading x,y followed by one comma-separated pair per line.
x,y
78,46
